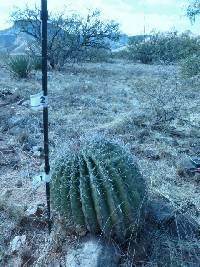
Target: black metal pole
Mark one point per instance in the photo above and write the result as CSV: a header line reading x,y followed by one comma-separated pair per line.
x,y
44,18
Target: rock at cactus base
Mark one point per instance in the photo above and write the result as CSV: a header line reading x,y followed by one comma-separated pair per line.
x,y
93,252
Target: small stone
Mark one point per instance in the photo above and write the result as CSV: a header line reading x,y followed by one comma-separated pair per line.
x,y
26,103
13,209
36,210
151,154
37,151
93,252
27,256
6,194
17,243
187,167
26,147
29,144
35,148
159,214
177,132
167,140
19,184
16,121
15,261
24,174
37,154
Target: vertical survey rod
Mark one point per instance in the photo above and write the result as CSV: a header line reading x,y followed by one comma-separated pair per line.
x,y
44,18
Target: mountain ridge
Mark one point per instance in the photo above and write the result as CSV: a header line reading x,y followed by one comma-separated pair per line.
x,y
11,39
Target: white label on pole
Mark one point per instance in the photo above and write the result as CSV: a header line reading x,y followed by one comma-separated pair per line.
x,y
37,181
40,179
46,178
38,101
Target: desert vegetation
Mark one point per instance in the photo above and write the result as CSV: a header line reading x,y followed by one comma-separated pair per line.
x,y
124,141
166,48
20,65
70,36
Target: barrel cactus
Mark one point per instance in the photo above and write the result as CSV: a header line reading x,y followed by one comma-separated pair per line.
x,y
99,188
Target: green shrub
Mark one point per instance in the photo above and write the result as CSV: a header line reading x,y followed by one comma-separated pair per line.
x,y
37,63
164,47
99,188
172,47
97,55
121,54
191,66
20,65
92,55
144,52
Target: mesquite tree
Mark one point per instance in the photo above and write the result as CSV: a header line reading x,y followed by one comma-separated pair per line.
x,y
70,36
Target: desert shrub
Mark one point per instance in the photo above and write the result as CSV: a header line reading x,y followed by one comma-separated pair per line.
x,y
99,188
144,52
92,55
164,47
37,63
22,137
174,47
69,34
190,66
20,65
164,101
120,54
4,59
99,55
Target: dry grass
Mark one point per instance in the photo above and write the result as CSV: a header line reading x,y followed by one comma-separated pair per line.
x,y
123,100
111,98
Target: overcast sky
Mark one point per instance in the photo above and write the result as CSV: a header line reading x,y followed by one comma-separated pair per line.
x,y
162,15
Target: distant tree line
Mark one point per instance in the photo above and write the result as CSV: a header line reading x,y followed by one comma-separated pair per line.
x,y
169,47
165,48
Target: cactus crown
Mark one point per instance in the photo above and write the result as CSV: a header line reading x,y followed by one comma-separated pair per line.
x,y
99,187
